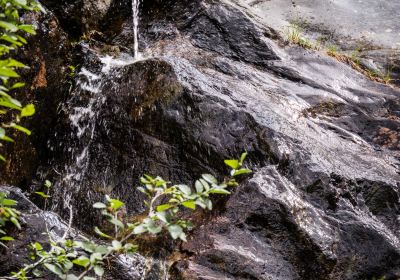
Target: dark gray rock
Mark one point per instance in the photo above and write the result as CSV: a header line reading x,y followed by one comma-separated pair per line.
x,y
323,141
34,223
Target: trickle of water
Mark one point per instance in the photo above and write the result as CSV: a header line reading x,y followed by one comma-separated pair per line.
x,y
135,12
84,108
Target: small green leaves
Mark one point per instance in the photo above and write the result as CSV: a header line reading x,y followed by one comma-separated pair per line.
x,y
8,202
190,204
219,191
140,229
99,270
42,194
27,28
232,163
53,268
37,246
199,186
241,172
99,205
236,166
165,201
28,110
115,204
100,233
116,245
210,178
6,238
175,231
82,261
164,207
185,189
47,184
20,128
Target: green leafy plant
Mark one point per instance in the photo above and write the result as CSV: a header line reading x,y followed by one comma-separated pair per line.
x,y
331,49
8,215
11,38
294,35
164,203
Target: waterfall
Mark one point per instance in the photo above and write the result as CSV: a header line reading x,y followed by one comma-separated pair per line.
x,y
135,16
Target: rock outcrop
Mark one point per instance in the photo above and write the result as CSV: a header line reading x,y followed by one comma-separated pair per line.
x,y
323,141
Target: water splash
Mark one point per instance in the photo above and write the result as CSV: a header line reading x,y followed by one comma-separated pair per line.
x,y
83,108
135,15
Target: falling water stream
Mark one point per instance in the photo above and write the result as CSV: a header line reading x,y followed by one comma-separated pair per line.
x,y
135,16
84,107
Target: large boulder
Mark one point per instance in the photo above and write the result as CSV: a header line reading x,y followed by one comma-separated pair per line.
x,y
323,141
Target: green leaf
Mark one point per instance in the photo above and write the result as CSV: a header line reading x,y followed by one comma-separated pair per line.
x,y
27,28
37,246
131,248
11,103
210,178
185,189
205,184
116,204
98,270
18,85
55,269
8,73
6,138
243,157
15,222
182,237
47,184
116,245
140,229
219,191
175,231
42,194
102,234
95,257
199,186
71,277
15,63
8,202
201,204
190,204
82,261
163,207
208,203
20,128
99,205
232,163
28,110
116,222
8,26
6,238
241,171
101,249
162,216
154,229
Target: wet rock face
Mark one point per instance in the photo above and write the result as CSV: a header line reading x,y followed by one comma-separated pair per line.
x,y
33,224
78,17
271,231
48,55
323,202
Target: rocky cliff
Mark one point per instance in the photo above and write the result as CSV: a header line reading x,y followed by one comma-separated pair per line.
x,y
216,78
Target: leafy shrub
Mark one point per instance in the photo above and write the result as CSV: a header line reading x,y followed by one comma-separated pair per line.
x,y
164,203
8,214
11,37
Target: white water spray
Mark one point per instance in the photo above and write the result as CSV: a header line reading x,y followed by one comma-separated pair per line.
x,y
135,11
